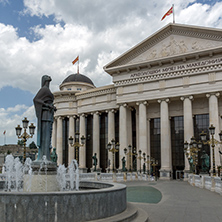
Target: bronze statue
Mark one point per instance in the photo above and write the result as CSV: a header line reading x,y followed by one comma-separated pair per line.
x,y
123,164
94,161
54,155
44,109
205,162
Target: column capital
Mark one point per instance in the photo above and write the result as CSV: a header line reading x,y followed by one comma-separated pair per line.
x,y
71,116
123,104
165,100
111,110
83,115
217,94
142,102
96,112
59,117
182,98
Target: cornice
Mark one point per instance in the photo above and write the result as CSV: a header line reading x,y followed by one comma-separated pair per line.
x,y
156,74
96,92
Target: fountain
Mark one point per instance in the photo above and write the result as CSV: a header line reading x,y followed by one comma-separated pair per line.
x,y
38,191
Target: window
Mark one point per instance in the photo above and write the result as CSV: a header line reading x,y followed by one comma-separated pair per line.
x,y
79,89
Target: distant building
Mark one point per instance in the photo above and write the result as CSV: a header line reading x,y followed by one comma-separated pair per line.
x,y
165,90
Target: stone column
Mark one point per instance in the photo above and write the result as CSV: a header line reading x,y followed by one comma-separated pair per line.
x,y
72,134
82,149
122,132
142,131
111,133
59,148
96,138
166,159
214,119
54,132
188,126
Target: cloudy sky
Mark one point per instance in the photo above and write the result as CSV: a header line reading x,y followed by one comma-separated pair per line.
x,y
39,37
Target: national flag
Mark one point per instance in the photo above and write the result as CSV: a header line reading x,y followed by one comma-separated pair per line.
x,y
168,13
4,132
75,60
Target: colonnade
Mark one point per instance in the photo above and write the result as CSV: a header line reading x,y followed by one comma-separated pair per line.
x,y
143,140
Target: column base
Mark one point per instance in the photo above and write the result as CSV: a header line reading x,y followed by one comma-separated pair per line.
x,y
82,170
165,174
186,175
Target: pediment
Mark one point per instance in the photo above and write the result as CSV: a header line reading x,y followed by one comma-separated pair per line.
x,y
175,45
172,40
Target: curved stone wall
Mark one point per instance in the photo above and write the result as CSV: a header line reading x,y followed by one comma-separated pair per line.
x,y
103,200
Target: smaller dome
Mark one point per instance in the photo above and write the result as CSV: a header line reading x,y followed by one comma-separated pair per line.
x,y
78,78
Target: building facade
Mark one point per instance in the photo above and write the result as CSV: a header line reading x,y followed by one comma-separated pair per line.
x,y
165,90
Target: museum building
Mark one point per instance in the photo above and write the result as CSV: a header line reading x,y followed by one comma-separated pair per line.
x,y
165,90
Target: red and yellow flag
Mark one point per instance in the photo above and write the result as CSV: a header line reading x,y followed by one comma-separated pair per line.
x,y
75,60
168,13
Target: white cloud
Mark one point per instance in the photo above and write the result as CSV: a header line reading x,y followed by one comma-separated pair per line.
x,y
98,31
9,119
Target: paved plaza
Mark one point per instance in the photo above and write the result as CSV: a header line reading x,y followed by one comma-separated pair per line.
x,y
180,202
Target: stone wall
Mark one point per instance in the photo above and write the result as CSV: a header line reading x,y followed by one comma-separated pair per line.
x,y
73,206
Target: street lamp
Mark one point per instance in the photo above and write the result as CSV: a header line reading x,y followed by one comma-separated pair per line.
x,y
25,135
148,165
140,158
154,163
129,154
113,147
76,144
144,164
211,142
191,151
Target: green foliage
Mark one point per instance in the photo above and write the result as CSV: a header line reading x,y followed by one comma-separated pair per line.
x,y
20,142
32,145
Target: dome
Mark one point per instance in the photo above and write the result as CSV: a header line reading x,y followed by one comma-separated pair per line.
x,y
78,78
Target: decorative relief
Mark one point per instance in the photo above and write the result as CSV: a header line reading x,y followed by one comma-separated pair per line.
x,y
175,45
201,40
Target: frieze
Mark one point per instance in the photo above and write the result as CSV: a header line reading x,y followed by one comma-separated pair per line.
x,y
64,99
96,93
172,71
178,67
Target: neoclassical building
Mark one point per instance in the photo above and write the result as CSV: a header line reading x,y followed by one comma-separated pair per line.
x,y
165,90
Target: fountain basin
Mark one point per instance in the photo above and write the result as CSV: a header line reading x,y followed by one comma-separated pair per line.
x,y
100,200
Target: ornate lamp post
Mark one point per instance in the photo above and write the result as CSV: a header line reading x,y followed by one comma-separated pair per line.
x,y
191,151
25,135
140,158
76,144
148,164
211,142
113,147
144,164
129,154
154,163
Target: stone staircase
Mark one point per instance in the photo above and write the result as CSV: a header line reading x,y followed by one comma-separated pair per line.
x,y
131,214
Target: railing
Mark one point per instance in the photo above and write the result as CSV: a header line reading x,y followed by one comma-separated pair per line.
x,y
210,183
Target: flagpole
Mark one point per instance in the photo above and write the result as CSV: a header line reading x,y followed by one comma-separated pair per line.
x,y
78,66
173,14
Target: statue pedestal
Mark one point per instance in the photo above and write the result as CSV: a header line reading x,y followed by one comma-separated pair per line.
x,y
42,179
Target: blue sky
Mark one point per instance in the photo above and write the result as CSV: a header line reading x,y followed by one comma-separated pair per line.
x,y
43,37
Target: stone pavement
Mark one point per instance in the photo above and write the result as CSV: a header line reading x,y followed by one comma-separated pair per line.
x,y
180,202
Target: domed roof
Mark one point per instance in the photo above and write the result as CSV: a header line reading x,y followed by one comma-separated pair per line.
x,y
78,78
